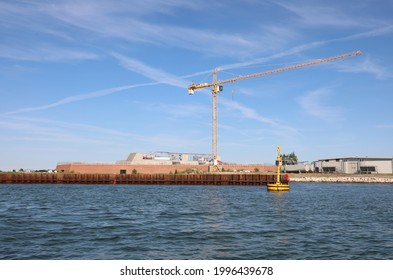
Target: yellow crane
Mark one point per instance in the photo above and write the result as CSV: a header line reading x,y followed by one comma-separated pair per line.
x,y
216,86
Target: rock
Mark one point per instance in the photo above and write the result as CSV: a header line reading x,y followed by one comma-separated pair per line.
x,y
344,179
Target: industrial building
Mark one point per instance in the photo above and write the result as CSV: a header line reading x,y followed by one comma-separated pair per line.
x,y
157,162
355,165
166,158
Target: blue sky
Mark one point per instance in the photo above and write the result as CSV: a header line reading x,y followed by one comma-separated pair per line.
x,y
93,80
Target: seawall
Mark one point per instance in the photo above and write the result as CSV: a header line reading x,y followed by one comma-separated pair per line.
x,y
139,179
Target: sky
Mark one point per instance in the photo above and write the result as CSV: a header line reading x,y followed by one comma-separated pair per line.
x,y
94,80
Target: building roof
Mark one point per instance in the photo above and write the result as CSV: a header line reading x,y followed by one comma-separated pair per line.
x,y
359,159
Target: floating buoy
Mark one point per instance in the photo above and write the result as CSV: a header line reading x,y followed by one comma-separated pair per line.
x,y
274,187
278,186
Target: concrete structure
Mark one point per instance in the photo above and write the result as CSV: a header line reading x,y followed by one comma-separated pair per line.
x,y
166,158
115,168
355,165
125,168
157,163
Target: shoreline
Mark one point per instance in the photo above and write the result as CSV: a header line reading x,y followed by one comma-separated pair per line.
x,y
342,178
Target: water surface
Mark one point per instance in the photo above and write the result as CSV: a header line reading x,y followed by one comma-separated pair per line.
x,y
312,221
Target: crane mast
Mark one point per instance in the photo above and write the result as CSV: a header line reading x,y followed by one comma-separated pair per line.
x,y
216,86
215,92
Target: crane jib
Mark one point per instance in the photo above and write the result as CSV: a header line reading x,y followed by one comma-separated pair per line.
x,y
216,86
274,71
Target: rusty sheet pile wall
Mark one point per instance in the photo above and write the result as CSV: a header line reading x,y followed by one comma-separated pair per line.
x,y
138,179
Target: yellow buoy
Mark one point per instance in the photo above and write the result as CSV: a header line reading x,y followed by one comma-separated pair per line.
x,y
274,187
278,186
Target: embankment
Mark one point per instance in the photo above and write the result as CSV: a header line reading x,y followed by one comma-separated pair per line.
x,y
342,178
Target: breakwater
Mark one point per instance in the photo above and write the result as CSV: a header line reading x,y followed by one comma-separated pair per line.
x,y
139,179
344,179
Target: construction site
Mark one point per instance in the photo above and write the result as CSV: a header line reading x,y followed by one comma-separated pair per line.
x,y
168,162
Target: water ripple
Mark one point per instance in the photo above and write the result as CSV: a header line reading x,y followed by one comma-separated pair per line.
x,y
312,221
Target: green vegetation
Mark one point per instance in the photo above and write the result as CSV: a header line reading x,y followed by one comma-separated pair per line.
x,y
226,170
134,171
290,158
190,171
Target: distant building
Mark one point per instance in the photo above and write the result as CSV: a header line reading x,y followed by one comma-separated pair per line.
x,y
299,167
157,162
166,158
355,165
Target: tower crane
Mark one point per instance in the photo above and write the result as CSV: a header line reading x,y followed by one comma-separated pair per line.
x,y
216,86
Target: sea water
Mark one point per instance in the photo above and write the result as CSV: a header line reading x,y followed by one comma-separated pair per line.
x,y
311,221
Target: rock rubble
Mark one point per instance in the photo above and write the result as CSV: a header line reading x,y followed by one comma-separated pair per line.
x,y
344,179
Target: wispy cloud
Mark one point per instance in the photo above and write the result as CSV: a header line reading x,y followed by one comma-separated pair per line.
x,y
260,60
154,74
72,20
385,126
157,75
374,32
48,130
44,52
39,37
164,77
33,130
319,14
313,104
161,76
18,122
367,65
380,31
178,110
250,113
127,22
315,16
76,98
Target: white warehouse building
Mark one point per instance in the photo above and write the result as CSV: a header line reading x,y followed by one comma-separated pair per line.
x,y
355,165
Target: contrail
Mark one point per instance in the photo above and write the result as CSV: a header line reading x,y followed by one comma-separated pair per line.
x,y
76,98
